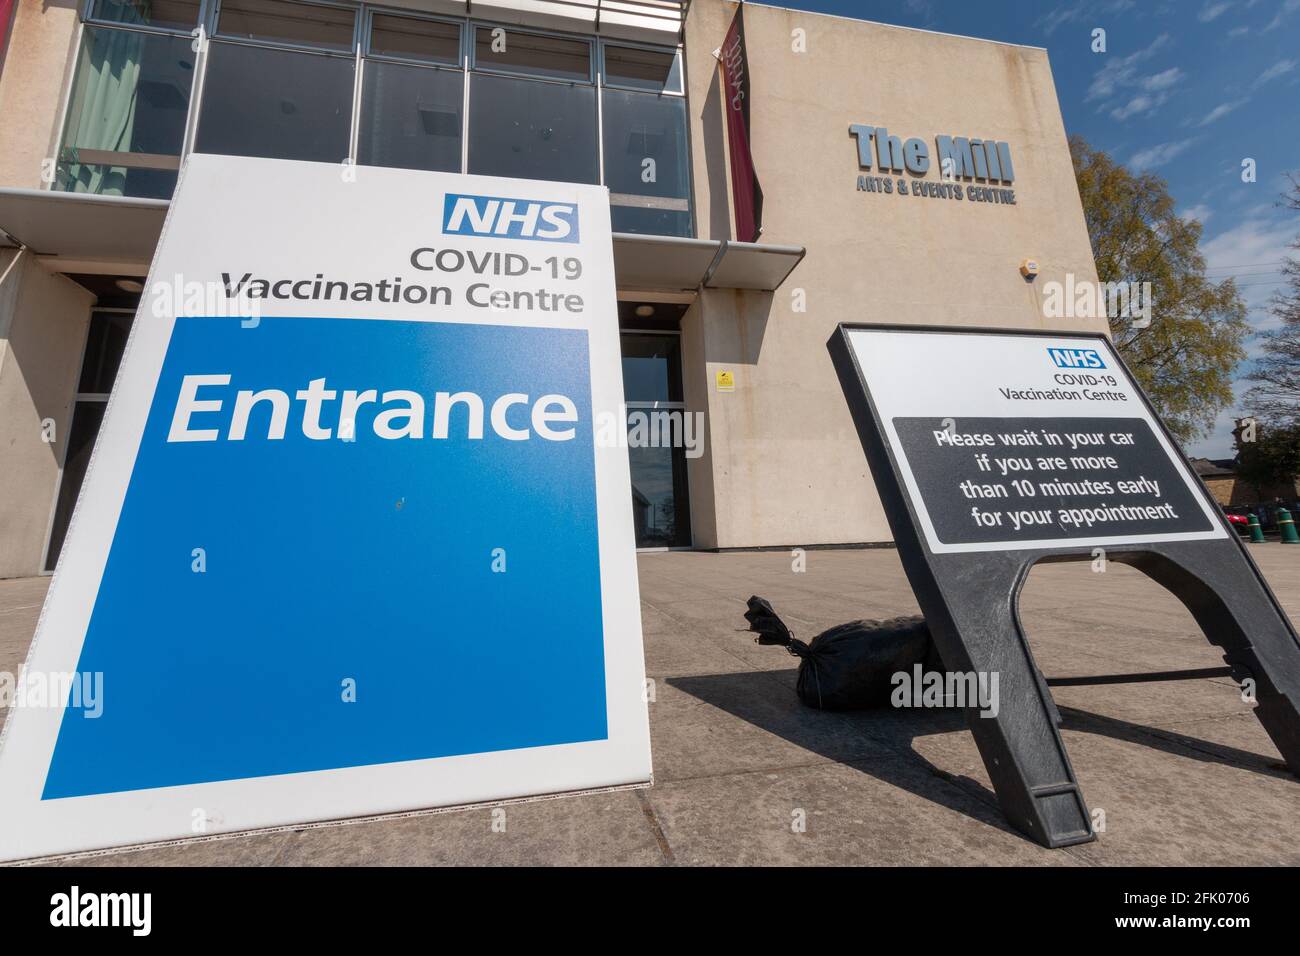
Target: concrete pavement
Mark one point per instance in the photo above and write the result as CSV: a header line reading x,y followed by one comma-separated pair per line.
x,y
1183,771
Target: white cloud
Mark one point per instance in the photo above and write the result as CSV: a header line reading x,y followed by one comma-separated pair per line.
x,y
1256,244
1162,80
1212,10
1199,212
1220,111
1288,7
1159,155
1280,68
1123,72
1074,12
1139,104
1149,91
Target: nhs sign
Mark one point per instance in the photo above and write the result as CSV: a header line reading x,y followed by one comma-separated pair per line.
x,y
509,218
408,428
1076,358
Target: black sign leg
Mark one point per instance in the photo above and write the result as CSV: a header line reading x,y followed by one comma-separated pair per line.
x,y
973,628
1237,611
969,597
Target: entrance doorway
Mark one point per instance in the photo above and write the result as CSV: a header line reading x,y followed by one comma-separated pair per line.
x,y
105,342
657,426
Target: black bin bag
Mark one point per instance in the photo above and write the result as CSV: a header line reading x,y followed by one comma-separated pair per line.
x,y
850,666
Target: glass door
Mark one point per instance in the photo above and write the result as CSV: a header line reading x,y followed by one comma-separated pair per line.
x,y
657,430
105,343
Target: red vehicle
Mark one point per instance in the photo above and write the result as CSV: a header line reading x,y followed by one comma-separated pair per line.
x,y
1239,521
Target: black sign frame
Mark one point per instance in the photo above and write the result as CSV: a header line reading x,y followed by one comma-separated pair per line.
x,y
971,603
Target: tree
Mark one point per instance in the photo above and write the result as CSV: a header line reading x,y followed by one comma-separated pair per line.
x,y
1271,459
1277,396
1185,357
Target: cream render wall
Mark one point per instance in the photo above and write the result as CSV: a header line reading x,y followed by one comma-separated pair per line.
x,y
43,320
785,464
32,88
43,316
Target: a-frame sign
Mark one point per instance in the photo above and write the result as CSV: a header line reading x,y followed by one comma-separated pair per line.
x,y
993,450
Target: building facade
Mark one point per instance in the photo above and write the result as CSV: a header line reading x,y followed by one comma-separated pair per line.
x,y
908,178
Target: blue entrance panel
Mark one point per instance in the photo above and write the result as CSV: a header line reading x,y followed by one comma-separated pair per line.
x,y
330,563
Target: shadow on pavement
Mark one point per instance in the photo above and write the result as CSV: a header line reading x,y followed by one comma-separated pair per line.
x,y
762,699
769,703
1171,742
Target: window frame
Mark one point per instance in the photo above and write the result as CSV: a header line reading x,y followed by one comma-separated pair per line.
x,y
678,55
70,89
368,34
88,6
591,42
205,33
357,9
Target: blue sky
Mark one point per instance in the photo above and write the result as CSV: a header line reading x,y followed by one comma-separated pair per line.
x,y
1186,89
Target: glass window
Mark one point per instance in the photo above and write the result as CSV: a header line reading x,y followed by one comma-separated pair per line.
x,y
330,28
560,58
279,104
167,14
105,344
532,130
647,163
410,117
660,499
659,71
126,114
652,368
413,39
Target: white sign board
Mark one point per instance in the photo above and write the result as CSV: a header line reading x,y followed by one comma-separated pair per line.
x,y
1026,441
349,544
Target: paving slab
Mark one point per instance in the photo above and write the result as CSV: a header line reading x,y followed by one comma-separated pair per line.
x,y
1183,771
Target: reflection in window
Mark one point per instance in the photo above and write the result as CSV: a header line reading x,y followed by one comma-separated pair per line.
x,y
410,117
276,103
126,114
647,163
652,368
105,343
559,58
532,130
660,513
166,14
329,28
412,39
656,71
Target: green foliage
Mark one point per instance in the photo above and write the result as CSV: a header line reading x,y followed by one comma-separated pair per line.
x,y
1185,358
1273,458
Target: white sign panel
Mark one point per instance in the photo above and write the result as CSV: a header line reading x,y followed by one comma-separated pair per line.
x,y
1007,442
349,544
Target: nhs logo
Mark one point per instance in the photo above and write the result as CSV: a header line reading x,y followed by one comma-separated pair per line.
x,y
509,218
1076,358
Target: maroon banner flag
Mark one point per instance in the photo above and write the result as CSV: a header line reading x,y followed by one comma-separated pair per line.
x,y
746,194
6,16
